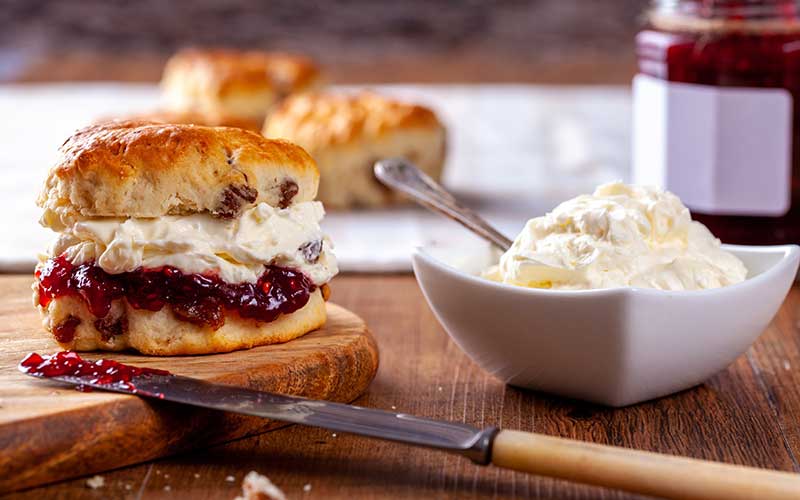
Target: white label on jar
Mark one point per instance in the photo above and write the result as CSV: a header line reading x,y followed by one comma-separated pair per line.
x,y
724,151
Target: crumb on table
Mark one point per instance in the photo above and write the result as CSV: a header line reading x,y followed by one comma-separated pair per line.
x,y
258,487
95,482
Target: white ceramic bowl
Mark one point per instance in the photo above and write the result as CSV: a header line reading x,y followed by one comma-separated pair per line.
x,y
616,346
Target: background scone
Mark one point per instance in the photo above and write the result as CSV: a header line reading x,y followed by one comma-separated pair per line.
x,y
180,118
181,239
234,88
346,134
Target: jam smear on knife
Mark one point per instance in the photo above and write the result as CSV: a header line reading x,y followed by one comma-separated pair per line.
x,y
100,372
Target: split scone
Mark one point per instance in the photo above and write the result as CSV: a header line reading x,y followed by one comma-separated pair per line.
x,y
181,239
234,88
347,134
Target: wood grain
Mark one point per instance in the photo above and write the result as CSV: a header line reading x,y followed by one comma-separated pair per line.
x,y
747,415
50,432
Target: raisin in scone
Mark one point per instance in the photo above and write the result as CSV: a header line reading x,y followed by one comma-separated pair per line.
x,y
347,134
181,239
233,88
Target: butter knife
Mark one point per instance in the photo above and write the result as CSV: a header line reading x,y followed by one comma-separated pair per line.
x,y
613,467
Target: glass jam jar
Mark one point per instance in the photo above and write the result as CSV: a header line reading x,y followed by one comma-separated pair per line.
x,y
716,114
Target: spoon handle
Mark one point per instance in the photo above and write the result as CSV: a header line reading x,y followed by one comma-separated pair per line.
x,y
401,175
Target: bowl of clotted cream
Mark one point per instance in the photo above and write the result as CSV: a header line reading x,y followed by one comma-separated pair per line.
x,y
615,298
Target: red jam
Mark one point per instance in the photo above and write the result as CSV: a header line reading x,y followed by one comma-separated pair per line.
x,y
196,298
101,372
732,43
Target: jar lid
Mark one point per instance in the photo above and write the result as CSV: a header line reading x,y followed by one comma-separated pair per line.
x,y
725,16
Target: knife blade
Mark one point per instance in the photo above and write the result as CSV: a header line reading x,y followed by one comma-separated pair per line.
x,y
609,466
462,439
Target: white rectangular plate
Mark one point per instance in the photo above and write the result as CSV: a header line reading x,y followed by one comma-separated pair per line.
x,y
514,152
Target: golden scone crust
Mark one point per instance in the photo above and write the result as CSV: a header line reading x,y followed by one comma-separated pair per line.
x,y
160,333
320,120
142,169
190,118
346,134
237,84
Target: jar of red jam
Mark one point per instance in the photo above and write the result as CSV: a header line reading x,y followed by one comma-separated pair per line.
x,y
716,114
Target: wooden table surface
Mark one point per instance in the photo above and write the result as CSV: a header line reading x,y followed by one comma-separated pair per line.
x,y
747,414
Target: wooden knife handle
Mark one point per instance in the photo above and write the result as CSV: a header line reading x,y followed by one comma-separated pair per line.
x,y
639,471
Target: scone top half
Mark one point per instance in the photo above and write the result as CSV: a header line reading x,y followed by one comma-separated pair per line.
x,y
143,170
212,233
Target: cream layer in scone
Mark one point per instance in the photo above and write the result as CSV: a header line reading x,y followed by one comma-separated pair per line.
x,y
235,249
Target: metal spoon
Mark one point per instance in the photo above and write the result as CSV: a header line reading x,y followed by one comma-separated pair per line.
x,y
401,175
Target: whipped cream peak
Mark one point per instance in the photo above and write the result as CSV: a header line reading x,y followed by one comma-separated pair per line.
x,y
237,249
621,235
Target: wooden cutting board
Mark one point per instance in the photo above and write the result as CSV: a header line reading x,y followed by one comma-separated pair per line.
x,y
49,432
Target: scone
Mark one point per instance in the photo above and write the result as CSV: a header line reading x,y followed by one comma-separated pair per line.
x,y
234,88
181,239
182,118
347,134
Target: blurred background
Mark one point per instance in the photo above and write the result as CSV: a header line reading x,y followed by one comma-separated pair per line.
x,y
535,94
361,41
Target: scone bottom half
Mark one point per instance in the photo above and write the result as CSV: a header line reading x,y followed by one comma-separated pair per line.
x,y
167,309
